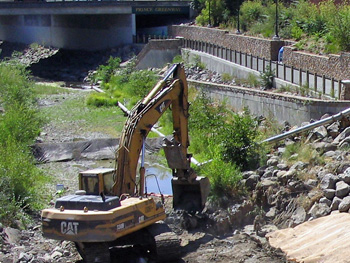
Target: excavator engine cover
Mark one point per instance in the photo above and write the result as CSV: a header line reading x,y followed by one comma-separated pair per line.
x,y
91,202
190,196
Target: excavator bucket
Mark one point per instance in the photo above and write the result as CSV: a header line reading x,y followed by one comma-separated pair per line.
x,y
190,191
190,196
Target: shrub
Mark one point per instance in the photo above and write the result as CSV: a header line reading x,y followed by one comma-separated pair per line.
x,y
124,84
236,134
104,72
238,138
141,82
21,182
226,77
297,32
267,78
253,80
251,12
178,59
224,177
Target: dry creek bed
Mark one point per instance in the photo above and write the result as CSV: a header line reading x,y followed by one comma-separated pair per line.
x,y
198,245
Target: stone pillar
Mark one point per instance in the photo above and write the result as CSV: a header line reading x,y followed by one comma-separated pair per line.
x,y
345,90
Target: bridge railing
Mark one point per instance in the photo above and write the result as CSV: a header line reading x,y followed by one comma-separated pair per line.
x,y
308,81
144,39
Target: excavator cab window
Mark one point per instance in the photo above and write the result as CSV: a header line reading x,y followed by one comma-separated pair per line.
x,y
97,181
108,181
90,184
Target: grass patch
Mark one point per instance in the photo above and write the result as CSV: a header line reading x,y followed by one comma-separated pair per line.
x,y
42,89
300,151
74,110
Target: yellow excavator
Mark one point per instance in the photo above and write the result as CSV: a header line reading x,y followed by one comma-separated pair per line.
x,y
111,209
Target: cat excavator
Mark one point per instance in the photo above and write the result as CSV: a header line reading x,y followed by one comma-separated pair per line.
x,y
111,208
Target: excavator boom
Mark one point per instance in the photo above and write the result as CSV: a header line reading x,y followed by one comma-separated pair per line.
x,y
172,91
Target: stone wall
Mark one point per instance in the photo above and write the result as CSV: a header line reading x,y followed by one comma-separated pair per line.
x,y
260,47
332,66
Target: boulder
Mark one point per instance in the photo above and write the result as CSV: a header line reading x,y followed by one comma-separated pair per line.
x,y
266,183
251,181
24,257
273,161
320,132
342,189
299,166
329,193
344,134
345,177
329,154
344,205
271,214
299,215
285,176
282,166
326,201
335,203
333,129
319,210
310,184
328,181
268,172
246,174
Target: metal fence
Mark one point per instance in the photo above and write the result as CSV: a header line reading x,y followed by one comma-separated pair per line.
x,y
308,81
144,39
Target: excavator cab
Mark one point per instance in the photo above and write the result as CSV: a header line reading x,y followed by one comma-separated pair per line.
x,y
97,181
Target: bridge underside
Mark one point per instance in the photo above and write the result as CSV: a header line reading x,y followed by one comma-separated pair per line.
x,y
88,25
88,32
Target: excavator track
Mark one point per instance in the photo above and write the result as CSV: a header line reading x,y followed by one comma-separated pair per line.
x,y
166,245
94,252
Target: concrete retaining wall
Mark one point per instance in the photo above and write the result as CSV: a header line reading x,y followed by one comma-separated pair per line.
x,y
158,53
295,110
220,65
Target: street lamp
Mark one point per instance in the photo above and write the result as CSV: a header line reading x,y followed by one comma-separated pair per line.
x,y
209,24
238,32
276,37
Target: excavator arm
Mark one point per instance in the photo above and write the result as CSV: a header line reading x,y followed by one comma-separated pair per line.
x,y
170,91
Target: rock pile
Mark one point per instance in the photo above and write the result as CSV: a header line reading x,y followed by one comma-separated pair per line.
x,y
25,246
288,192
309,189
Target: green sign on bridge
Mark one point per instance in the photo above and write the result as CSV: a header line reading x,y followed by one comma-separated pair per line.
x,y
152,10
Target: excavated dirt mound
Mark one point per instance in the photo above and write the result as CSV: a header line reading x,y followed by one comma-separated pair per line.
x,y
325,239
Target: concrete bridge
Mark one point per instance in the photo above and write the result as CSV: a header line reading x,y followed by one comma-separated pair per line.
x,y
88,25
